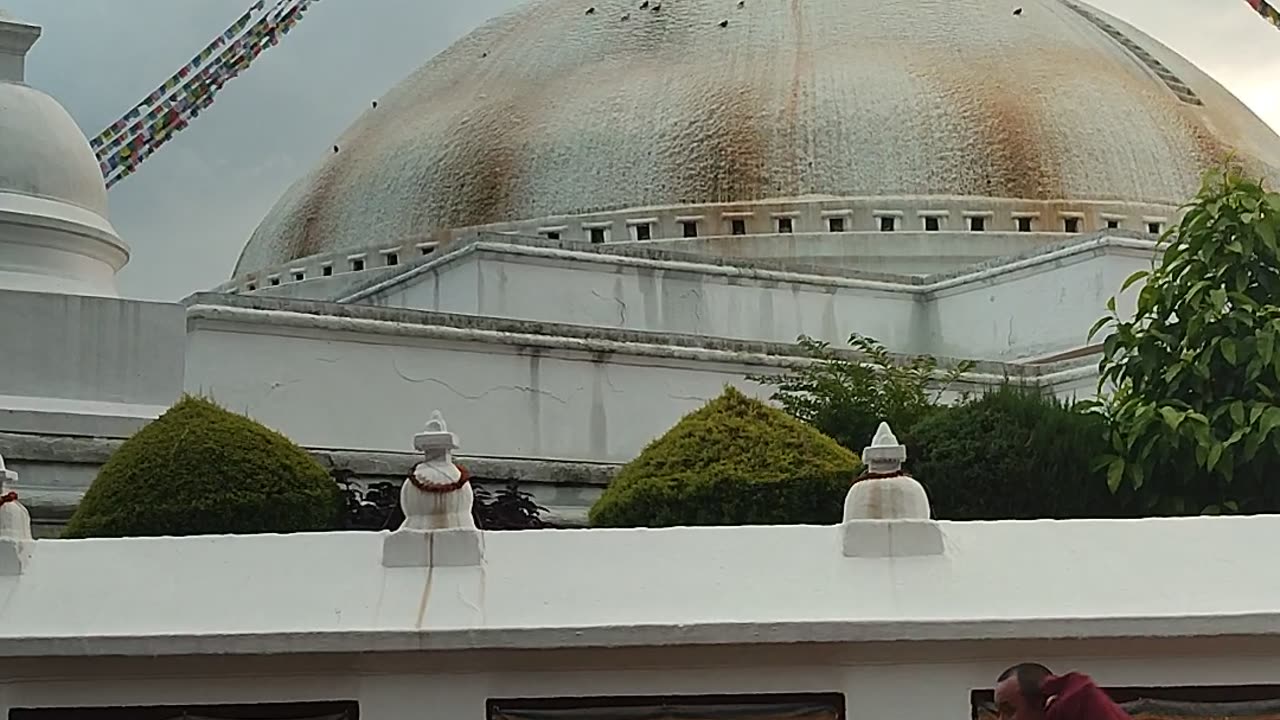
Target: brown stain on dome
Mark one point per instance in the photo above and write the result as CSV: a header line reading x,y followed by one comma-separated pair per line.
x,y
725,158
1013,133
794,129
308,239
1007,131
480,168
1210,150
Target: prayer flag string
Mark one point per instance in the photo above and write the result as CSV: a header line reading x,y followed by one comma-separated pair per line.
x,y
201,58
136,136
1266,10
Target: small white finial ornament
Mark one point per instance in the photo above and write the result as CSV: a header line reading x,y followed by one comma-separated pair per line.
x,y
15,526
884,491
886,513
15,521
438,529
885,455
437,494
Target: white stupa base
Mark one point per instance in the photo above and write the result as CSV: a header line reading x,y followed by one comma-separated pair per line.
x,y
433,548
87,365
14,556
54,247
892,538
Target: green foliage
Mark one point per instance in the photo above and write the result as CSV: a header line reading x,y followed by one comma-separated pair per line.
x,y
1196,371
1013,453
847,399
735,461
199,469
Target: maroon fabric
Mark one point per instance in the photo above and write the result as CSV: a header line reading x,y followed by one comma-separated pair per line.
x,y
1074,697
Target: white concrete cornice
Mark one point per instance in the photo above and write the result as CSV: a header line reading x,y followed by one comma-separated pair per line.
x,y
1205,626
993,271
228,318
1001,270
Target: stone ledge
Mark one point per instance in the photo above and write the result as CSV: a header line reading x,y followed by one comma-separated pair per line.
x,y
566,489
286,315
760,268
81,450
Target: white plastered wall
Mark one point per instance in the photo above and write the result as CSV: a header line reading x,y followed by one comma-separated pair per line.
x,y
877,682
1025,309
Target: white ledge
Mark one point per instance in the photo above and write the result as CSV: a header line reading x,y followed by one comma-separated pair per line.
x,y
276,322
980,273
652,635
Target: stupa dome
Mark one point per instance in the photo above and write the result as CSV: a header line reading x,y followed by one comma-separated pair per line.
x,y
44,154
566,107
54,231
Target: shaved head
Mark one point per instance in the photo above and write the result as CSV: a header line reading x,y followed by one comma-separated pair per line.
x,y
1018,693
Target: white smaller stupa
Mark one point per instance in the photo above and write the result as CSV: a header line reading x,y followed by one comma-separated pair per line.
x,y
54,232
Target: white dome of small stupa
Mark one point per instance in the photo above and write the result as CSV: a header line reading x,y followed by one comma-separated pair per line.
x,y
54,231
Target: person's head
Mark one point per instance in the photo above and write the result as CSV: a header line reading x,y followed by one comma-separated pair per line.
x,y
1018,694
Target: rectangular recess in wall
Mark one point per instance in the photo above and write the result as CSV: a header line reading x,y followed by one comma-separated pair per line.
x,y
337,710
1180,702
803,706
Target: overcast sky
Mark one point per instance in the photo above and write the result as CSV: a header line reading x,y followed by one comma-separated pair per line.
x,y
189,210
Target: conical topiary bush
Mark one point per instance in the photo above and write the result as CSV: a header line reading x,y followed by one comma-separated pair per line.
x,y
200,470
735,461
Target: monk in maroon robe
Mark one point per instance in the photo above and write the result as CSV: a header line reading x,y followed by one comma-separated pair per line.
x,y
1032,692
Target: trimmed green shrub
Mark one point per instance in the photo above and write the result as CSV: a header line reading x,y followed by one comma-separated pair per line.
x,y
1012,453
735,461
201,470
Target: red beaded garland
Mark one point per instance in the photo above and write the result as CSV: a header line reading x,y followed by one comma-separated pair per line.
x,y
464,478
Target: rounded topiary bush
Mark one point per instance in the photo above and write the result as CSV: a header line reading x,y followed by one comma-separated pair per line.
x,y
735,461
1012,453
200,470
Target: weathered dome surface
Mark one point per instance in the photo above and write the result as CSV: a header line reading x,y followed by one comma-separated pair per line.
x,y
551,110
43,153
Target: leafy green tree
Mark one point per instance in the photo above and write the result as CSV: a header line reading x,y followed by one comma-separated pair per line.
x,y
735,461
848,397
1195,372
201,470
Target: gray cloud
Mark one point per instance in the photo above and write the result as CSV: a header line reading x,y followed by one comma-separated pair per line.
x,y
190,209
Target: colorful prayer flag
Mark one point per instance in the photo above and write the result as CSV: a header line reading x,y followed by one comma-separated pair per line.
x,y
1266,10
